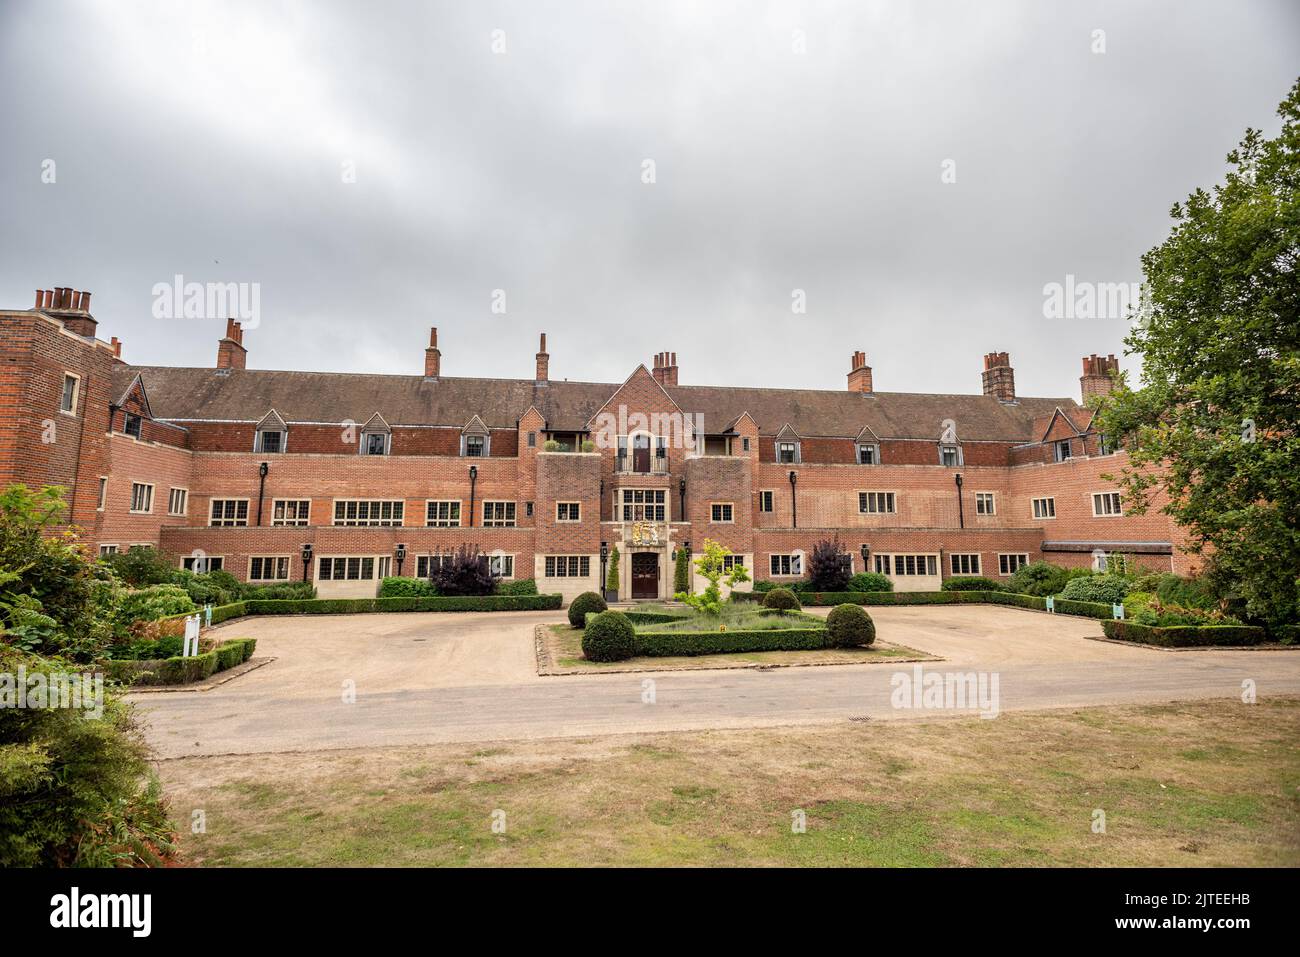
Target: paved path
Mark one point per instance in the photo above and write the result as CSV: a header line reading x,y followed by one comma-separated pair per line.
x,y
443,678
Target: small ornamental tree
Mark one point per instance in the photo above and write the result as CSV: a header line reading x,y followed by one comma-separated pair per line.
x,y
682,571
710,566
829,567
464,572
611,576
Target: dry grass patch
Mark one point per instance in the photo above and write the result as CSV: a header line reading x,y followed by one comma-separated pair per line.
x,y
1208,783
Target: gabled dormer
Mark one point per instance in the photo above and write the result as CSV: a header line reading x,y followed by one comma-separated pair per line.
x,y
271,435
866,447
789,446
475,439
376,436
950,453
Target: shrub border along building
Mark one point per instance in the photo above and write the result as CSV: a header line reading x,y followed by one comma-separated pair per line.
x,y
180,670
350,606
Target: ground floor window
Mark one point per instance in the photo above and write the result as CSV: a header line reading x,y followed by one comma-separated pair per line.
x,y
730,562
107,549
786,566
965,564
353,568
268,568
428,565
202,563
503,566
568,566
1007,564
907,565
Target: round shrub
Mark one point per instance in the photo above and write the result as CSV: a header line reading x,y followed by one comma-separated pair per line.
x,y
848,626
586,603
1039,578
782,599
608,637
1106,589
972,583
870,581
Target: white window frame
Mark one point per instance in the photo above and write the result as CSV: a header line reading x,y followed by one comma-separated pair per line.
x,y
224,522
551,566
464,445
392,521
873,448
148,510
108,548
1048,509
796,453
970,561
785,565
363,448
103,493
510,514
887,563
956,448
625,505
496,567
259,447
76,393
376,568
730,511
574,510
889,499
288,567
300,521
448,522
185,500
1022,559
207,561
992,508
1058,445
1119,504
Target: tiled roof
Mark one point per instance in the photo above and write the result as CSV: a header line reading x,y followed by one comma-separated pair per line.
x,y
248,394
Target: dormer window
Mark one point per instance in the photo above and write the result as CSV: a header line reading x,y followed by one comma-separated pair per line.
x,y
475,446
270,440
868,453
132,424
1061,450
374,443
475,439
950,455
787,453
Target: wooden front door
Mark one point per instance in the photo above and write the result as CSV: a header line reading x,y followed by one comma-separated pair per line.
x,y
645,574
641,453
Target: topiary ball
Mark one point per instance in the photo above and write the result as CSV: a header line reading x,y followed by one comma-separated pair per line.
x,y
848,626
609,636
585,604
781,599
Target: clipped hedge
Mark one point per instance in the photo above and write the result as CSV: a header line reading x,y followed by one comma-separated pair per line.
x,y
588,603
608,636
1184,636
651,617
848,625
180,670
352,606
972,583
662,644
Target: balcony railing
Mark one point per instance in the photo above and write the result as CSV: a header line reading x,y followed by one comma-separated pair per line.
x,y
640,465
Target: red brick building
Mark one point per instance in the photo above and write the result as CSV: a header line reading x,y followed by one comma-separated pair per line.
x,y
244,469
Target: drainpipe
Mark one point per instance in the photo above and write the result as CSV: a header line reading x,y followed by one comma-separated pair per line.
x,y
794,499
261,488
961,510
473,479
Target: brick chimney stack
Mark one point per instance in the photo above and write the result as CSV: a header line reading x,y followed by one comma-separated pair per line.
x,y
543,361
70,305
230,350
432,356
859,373
665,370
1098,373
116,346
999,377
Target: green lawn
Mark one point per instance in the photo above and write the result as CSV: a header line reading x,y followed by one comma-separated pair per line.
x,y
1204,783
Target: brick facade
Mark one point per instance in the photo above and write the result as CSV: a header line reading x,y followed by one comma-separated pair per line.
x,y
566,503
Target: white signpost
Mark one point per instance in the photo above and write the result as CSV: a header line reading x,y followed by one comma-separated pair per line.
x,y
191,636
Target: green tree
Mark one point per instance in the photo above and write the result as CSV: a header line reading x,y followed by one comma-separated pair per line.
x,y
1212,430
681,571
611,577
710,565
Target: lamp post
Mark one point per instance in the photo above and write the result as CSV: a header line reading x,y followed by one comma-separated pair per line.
x,y
261,488
400,555
961,509
604,557
794,499
866,554
473,479
306,559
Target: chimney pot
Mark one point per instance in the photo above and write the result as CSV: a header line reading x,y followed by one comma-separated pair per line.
x,y
432,356
999,377
860,373
543,361
231,353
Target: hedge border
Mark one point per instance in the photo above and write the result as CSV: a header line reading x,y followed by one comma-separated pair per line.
x,y
1185,636
665,644
180,670
1085,609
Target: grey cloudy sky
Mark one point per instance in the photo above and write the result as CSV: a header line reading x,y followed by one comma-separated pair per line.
x,y
207,140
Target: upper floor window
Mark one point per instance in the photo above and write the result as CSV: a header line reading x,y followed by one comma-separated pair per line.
x,y
229,511
1061,450
950,455
642,504
499,514
103,493
374,443
868,453
270,440
381,512
532,440
177,501
68,400
141,497
1105,503
1044,507
721,512
765,503
985,504
475,446
787,453
132,424
290,511
566,511
876,502
442,514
